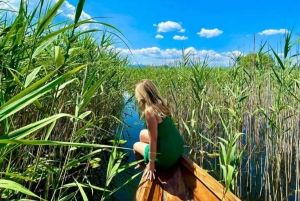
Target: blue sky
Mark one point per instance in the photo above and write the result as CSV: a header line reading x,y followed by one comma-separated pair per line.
x,y
157,31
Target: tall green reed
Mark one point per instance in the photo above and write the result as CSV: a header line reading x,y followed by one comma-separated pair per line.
x,y
55,86
258,98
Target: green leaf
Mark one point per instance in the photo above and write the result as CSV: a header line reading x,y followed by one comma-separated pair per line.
x,y
123,184
62,29
48,18
232,112
89,82
95,162
79,10
223,154
186,127
36,102
29,89
229,176
231,155
82,130
16,78
276,75
31,76
43,46
68,197
30,128
278,59
287,45
62,86
57,143
59,58
85,186
28,96
128,165
224,171
243,98
82,33
12,175
49,130
114,170
208,140
83,115
88,95
7,184
76,162
223,140
119,142
85,198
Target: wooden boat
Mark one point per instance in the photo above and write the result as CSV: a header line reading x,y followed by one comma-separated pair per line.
x,y
185,181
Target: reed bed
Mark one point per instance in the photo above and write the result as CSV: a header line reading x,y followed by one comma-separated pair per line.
x,y
240,123
61,99
62,94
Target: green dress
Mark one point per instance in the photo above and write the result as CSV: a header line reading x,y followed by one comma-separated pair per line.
x,y
169,145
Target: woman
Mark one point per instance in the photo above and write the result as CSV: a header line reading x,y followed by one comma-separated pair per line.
x,y
161,144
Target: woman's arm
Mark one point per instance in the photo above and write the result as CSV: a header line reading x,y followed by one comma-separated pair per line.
x,y
152,123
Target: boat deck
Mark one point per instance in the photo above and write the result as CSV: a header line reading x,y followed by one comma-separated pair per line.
x,y
184,181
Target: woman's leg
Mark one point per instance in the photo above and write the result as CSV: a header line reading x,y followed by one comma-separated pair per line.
x,y
144,136
139,149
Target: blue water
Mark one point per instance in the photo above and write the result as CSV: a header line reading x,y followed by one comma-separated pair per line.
x,y
131,134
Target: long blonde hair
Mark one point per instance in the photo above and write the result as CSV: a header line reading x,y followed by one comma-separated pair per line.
x,y
148,97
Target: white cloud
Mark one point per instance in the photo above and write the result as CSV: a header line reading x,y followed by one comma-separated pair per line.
x,y
182,30
237,53
159,36
68,10
234,55
10,5
209,33
273,31
157,56
176,37
169,26
280,54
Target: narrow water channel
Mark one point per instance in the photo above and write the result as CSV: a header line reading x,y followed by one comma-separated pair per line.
x,y
131,135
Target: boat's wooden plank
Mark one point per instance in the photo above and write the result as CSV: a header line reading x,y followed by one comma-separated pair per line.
x,y
148,190
157,192
168,185
207,180
173,185
143,191
185,181
199,190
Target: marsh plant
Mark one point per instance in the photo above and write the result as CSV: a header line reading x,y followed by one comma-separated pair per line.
x,y
240,123
61,98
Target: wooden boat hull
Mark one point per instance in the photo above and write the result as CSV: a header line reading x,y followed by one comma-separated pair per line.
x,y
184,181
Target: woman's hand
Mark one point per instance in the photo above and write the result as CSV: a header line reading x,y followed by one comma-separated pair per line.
x,y
149,173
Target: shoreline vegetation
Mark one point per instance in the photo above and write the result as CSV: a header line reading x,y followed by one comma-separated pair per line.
x,y
62,96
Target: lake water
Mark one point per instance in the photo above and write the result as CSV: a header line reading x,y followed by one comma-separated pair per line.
x,y
131,135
